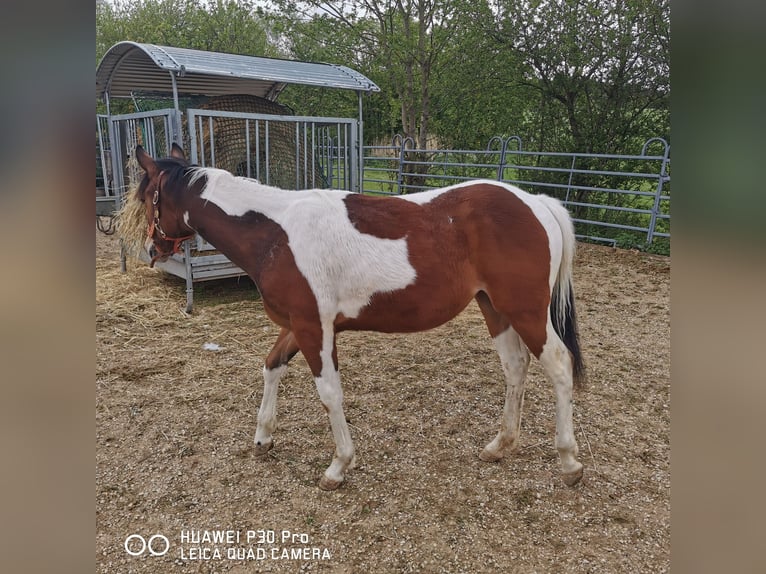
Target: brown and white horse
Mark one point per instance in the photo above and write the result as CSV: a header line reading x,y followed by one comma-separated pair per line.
x,y
327,261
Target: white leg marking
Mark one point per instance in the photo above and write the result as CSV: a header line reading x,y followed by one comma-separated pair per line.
x,y
331,394
558,368
514,358
267,415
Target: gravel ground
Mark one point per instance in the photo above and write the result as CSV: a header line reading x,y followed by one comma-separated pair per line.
x,y
174,428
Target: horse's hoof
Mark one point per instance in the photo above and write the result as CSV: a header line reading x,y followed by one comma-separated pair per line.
x,y
572,478
489,456
326,483
262,447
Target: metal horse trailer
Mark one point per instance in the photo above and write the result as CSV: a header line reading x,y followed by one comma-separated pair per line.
x,y
222,109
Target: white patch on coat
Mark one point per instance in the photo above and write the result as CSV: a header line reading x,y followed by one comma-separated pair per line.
x,y
343,267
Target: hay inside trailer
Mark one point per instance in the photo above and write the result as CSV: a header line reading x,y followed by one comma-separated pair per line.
x,y
274,155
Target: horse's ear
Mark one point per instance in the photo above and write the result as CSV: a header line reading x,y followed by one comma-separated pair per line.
x,y
177,152
146,162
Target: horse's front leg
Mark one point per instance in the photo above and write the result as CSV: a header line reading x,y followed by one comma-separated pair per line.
x,y
331,394
318,346
274,368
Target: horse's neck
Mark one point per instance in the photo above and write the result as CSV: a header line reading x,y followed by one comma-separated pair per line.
x,y
236,196
229,209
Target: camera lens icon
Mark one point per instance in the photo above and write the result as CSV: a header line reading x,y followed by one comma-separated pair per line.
x,y
137,545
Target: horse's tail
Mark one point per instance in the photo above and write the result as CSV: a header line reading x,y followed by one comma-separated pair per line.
x,y
562,308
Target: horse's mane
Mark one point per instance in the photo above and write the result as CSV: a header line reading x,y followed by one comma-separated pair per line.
x,y
175,170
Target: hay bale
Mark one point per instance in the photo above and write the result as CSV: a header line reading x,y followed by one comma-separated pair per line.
x,y
231,148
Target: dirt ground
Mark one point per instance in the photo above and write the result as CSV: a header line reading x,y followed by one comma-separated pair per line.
x,y
175,423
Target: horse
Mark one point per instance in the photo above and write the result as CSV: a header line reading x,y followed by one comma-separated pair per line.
x,y
327,261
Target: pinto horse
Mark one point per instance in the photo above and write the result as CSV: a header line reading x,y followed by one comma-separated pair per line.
x,y
327,261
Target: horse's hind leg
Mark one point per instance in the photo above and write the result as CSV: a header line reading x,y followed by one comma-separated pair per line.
x,y
557,364
514,358
284,349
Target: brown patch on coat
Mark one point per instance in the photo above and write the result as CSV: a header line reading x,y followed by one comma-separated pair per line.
x,y
471,239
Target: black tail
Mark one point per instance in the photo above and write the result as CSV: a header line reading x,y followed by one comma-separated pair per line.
x,y
569,334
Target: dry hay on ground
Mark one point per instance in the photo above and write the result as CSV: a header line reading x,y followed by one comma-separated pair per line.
x,y
175,425
131,223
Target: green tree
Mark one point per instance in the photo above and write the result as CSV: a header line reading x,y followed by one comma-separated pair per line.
x,y
400,44
222,26
474,94
320,39
599,67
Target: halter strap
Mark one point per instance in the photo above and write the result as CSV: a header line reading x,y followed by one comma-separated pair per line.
x,y
155,224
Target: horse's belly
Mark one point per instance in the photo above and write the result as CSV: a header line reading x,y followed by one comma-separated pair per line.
x,y
415,308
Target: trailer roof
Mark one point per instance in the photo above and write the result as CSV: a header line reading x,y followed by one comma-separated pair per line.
x,y
130,67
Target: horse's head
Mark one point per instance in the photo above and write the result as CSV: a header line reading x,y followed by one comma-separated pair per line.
x,y
158,192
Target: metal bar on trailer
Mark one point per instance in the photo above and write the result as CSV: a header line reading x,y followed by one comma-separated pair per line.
x,y
212,141
168,135
305,156
268,148
297,155
360,144
313,155
191,122
175,90
147,128
341,178
103,156
201,136
277,117
178,136
329,156
140,115
257,150
247,147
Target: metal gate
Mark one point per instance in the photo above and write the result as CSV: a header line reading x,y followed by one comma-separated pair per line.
x,y
154,131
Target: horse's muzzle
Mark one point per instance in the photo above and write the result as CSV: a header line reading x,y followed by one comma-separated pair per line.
x,y
156,255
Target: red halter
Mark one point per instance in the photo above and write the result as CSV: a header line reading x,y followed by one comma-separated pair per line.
x,y
155,224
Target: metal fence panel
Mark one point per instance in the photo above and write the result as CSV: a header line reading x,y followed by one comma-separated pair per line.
x,y
606,193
